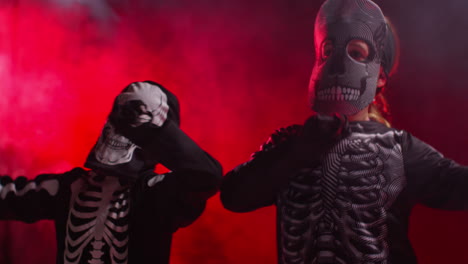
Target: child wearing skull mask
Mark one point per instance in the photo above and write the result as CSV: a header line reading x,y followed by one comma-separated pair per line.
x,y
344,183
120,211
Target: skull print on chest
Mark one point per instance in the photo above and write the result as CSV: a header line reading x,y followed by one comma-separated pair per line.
x,y
336,213
97,226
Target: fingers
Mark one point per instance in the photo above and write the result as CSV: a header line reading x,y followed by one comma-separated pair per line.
x,y
142,103
160,115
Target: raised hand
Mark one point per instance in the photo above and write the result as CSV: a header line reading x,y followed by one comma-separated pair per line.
x,y
141,103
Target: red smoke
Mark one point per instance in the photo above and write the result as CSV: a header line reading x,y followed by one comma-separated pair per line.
x,y
240,71
60,69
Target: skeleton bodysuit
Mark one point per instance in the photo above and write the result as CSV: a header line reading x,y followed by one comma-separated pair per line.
x,y
100,220
353,205
125,215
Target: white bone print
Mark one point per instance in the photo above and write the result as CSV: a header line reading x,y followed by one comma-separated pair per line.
x,y
336,213
98,220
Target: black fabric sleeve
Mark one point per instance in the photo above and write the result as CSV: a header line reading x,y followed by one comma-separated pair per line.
x,y
178,152
195,176
255,183
31,200
434,180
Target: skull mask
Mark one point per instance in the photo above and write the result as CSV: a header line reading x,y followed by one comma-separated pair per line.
x,y
113,148
342,82
139,104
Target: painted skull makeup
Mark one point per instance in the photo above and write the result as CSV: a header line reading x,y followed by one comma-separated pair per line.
x,y
349,46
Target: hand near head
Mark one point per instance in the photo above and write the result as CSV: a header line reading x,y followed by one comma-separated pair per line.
x,y
140,103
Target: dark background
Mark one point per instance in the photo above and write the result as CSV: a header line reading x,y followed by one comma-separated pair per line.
x,y
240,69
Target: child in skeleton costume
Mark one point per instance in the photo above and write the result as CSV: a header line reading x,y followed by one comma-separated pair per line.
x,y
120,211
343,184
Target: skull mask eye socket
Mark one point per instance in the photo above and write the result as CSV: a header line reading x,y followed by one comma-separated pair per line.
x,y
358,50
106,132
327,49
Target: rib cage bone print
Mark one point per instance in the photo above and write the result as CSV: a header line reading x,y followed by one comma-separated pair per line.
x,y
336,213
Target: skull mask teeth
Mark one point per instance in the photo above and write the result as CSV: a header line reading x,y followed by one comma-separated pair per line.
x,y
338,93
115,141
113,148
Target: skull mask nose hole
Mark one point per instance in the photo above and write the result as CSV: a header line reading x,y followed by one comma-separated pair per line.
x,y
337,65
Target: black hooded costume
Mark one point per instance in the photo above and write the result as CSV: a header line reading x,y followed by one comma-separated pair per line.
x,y
122,213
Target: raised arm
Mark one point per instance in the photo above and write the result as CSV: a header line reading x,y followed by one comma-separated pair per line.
x,y
148,115
197,170
256,183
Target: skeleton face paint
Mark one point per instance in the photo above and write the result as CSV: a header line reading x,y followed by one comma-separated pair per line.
x,y
349,39
113,148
